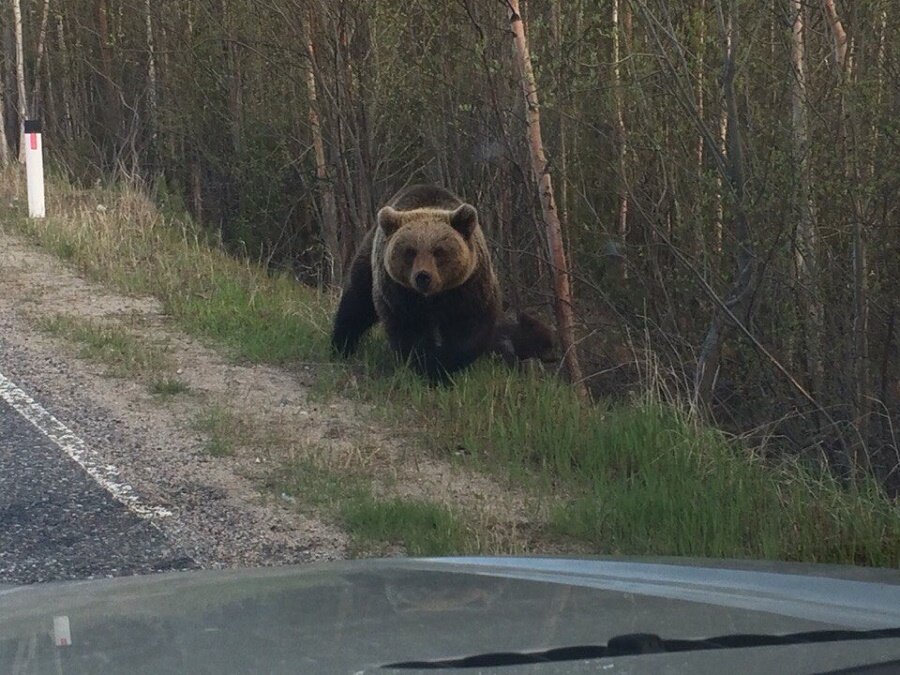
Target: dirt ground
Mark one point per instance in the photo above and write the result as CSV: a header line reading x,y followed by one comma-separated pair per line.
x,y
224,513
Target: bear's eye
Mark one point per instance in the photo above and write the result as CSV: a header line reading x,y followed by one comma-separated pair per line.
x,y
409,254
439,252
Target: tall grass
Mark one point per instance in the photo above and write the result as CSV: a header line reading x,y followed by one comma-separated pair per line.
x,y
643,478
422,527
119,237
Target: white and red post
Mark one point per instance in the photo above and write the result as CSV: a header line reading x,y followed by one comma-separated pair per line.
x,y
34,168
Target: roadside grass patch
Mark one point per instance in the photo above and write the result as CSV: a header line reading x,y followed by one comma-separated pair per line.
x,y
110,344
375,524
261,318
131,245
224,431
168,386
645,479
642,478
318,486
65,250
635,479
422,527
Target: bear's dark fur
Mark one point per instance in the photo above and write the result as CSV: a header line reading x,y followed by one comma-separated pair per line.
x,y
424,271
522,338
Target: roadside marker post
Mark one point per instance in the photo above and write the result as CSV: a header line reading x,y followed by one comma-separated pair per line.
x,y
34,168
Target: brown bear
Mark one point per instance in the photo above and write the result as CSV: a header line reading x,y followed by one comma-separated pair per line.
x,y
425,272
522,338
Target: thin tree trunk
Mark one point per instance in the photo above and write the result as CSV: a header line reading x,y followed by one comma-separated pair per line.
x,y
563,118
109,114
235,86
880,61
356,112
708,362
323,177
105,52
622,138
701,39
860,299
563,96
20,77
4,146
355,220
805,256
66,79
152,88
837,32
197,189
719,225
844,64
5,153
42,37
861,326
52,110
541,174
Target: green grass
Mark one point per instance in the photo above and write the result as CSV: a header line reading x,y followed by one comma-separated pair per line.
x,y
631,479
257,318
110,344
318,486
644,479
223,429
137,250
639,479
420,526
168,386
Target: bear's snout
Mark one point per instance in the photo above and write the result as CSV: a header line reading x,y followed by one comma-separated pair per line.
x,y
422,281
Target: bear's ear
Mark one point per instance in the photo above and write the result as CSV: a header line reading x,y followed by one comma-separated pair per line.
x,y
388,220
464,219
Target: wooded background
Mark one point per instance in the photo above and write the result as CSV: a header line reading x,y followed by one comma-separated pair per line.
x,y
727,172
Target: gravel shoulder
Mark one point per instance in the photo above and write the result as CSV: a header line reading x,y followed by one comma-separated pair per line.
x,y
221,516
225,512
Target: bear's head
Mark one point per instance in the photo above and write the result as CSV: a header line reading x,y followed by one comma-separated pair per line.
x,y
429,250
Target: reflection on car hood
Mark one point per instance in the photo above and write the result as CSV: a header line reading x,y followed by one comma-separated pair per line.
x,y
358,616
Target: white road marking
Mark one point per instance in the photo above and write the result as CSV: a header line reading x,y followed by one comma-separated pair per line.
x,y
105,474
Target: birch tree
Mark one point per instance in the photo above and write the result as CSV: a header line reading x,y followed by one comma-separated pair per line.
x,y
234,77
66,85
4,143
621,137
711,350
152,86
838,33
20,77
4,146
844,66
39,58
805,239
562,296
323,175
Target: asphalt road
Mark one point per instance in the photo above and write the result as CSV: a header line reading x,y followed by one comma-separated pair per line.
x,y
57,522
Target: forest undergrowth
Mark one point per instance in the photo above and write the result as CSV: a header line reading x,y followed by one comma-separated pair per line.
x,y
637,476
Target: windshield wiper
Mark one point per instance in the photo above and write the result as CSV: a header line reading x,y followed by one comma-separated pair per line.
x,y
645,643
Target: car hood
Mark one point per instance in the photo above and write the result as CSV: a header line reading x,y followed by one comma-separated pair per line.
x,y
542,615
